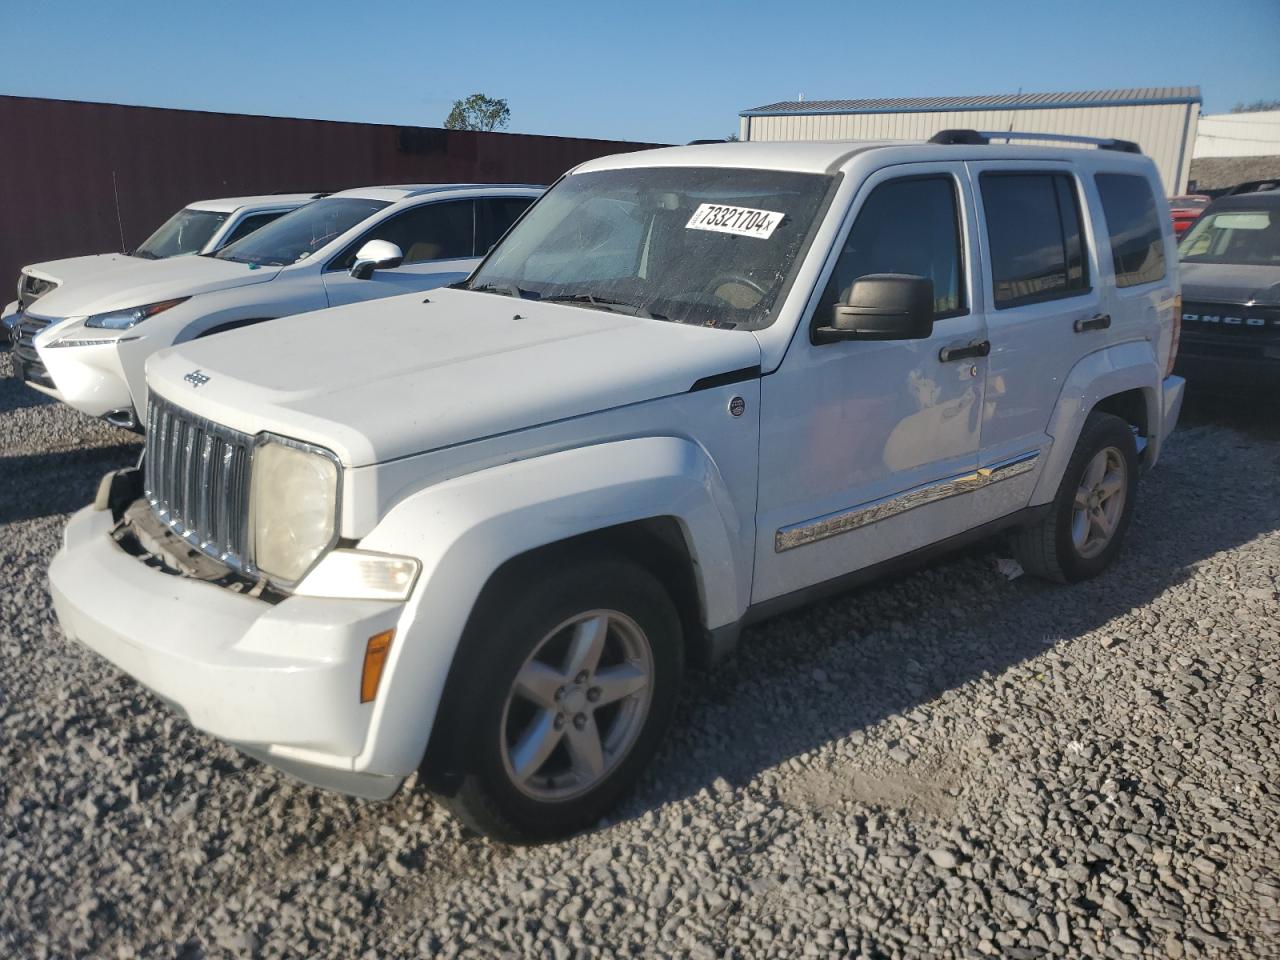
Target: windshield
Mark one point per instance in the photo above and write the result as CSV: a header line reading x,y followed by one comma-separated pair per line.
x,y
301,232
187,231
1234,236
705,246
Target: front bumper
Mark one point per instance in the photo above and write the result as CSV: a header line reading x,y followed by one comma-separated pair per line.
x,y
1228,366
280,681
89,378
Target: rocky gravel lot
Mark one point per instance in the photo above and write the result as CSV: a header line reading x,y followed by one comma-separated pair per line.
x,y
950,764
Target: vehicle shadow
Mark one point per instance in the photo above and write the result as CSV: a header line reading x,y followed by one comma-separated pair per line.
x,y
14,394
1252,412
802,680
46,484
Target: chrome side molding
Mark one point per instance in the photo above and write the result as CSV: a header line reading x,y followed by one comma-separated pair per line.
x,y
842,521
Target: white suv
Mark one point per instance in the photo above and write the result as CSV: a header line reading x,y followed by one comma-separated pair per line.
x,y
86,344
205,226
479,534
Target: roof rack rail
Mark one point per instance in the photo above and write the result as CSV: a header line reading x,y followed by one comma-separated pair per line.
x,y
986,136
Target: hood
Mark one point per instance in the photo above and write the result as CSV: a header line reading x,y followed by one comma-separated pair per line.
x,y
395,377
75,269
139,282
1230,282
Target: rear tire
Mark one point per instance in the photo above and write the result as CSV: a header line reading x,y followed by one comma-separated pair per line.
x,y
573,684
1082,532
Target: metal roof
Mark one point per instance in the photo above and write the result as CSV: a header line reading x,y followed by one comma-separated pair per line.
x,y
1133,97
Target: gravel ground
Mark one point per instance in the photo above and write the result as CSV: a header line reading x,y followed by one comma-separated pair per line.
x,y
950,764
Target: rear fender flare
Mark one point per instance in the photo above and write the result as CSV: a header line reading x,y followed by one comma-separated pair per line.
x,y
1113,370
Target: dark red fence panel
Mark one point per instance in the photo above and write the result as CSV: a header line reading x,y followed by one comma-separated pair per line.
x,y
81,178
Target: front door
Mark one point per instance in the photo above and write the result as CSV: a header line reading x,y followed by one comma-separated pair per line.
x,y
438,243
869,449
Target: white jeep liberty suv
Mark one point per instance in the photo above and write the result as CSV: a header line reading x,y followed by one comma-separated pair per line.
x,y
479,533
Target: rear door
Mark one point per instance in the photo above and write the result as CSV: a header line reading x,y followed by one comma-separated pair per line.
x,y
1043,306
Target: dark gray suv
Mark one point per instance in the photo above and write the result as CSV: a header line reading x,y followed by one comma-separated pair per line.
x,y
1231,294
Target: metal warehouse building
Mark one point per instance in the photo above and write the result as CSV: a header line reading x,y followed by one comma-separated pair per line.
x,y
1162,120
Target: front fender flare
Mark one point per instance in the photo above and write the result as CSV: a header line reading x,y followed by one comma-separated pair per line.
x,y
464,529
1105,373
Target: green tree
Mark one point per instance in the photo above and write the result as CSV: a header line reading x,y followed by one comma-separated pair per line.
x,y
478,112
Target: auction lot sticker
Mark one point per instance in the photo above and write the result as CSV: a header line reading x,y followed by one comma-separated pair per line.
x,y
742,221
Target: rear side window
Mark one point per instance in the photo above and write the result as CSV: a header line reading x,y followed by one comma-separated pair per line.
x,y
906,226
1033,233
1137,245
493,216
250,224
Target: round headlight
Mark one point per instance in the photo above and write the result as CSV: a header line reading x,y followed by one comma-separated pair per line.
x,y
293,507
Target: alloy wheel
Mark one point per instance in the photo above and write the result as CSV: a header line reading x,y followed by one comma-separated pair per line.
x,y
577,705
1099,502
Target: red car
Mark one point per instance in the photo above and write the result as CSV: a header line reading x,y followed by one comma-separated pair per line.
x,y
1186,210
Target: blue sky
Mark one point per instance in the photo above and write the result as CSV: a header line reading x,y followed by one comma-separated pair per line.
x,y
644,70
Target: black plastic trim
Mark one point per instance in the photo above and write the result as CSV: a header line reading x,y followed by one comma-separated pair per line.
x,y
726,378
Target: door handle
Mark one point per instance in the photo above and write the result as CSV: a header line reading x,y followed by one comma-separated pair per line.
x,y
978,348
1100,322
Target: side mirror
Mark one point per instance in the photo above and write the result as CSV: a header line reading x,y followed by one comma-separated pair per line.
x,y
376,255
882,306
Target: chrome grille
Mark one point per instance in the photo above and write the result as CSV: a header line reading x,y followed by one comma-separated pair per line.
x,y
196,475
25,357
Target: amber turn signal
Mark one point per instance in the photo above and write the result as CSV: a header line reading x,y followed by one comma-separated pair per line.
x,y
375,658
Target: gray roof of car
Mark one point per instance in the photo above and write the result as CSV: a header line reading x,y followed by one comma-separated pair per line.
x,y
1134,96
1259,198
827,156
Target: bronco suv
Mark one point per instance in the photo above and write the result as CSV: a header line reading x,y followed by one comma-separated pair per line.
x,y
1231,295
479,533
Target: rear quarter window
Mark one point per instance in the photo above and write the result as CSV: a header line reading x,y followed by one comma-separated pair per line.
x,y
1133,226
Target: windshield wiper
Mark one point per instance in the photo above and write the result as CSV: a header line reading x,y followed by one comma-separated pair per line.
x,y
604,303
505,289
144,254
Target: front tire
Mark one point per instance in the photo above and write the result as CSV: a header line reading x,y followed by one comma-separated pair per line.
x,y
1083,531
575,681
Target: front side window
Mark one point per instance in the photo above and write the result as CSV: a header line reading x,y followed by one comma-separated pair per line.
x,y
705,246
444,230
1234,236
300,233
907,226
251,223
187,231
1034,238
1133,222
